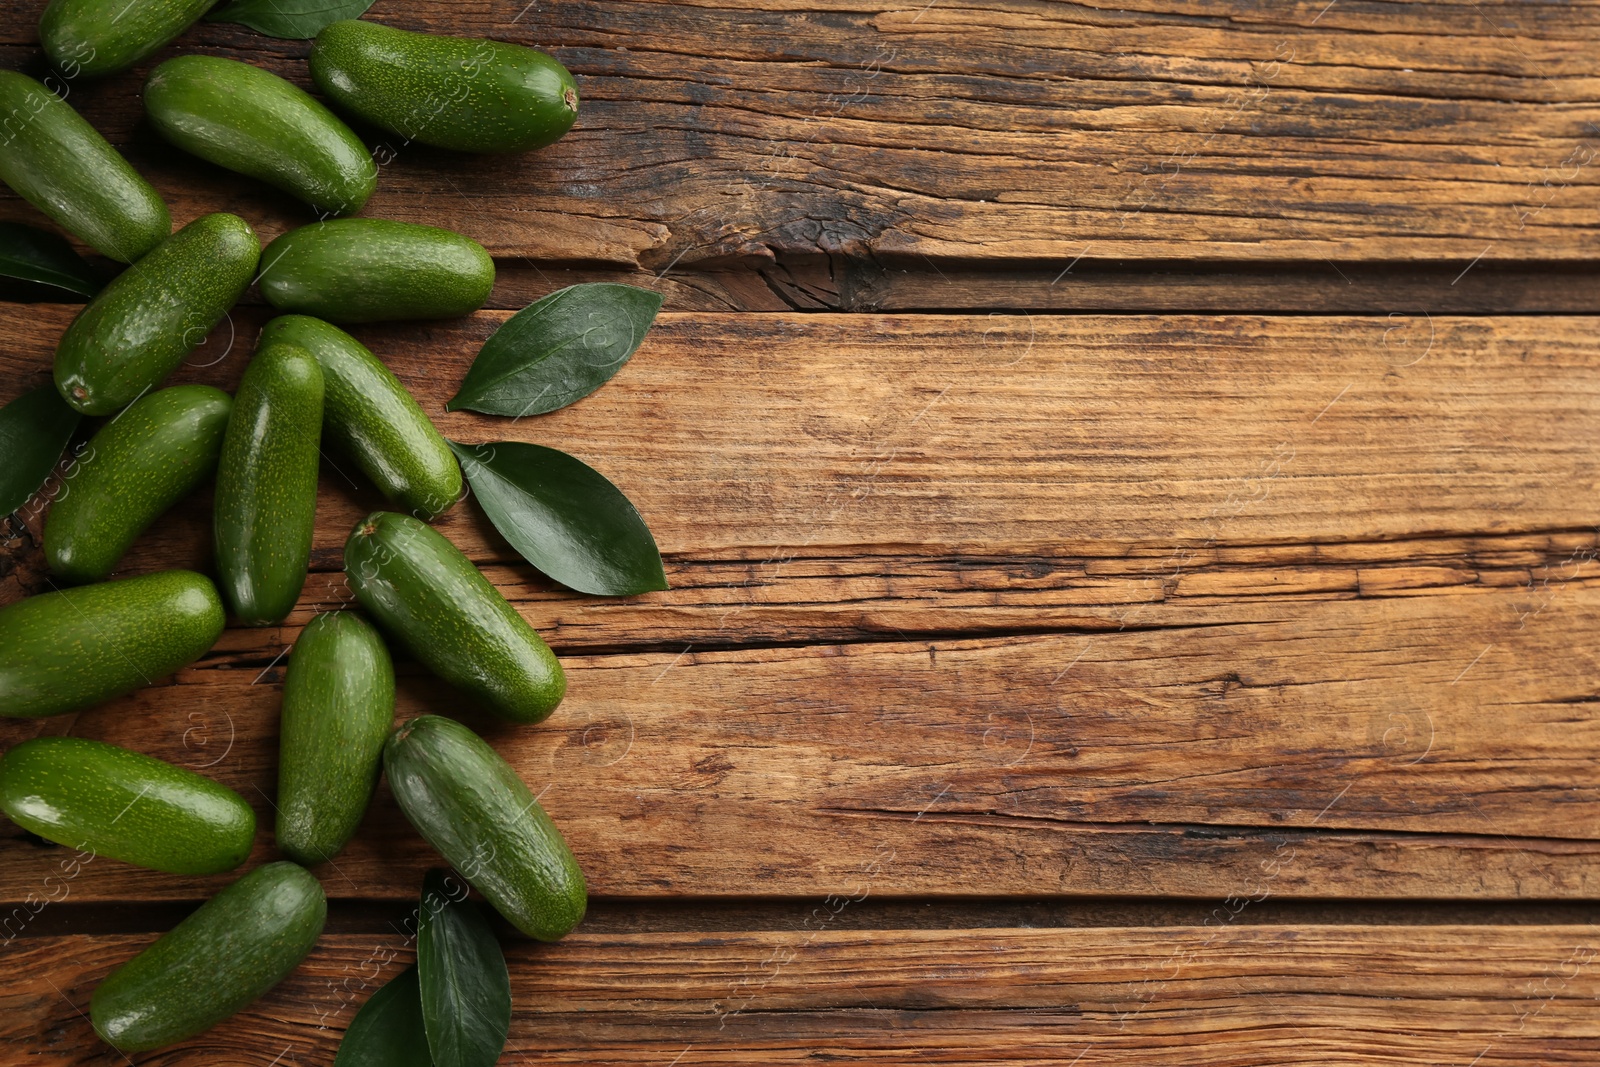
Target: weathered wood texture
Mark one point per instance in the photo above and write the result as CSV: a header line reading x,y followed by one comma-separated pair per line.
x,y
1207,997
1167,699
1011,129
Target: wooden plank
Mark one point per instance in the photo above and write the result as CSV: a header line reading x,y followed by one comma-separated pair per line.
x,y
1005,130
1432,745
1224,994
770,436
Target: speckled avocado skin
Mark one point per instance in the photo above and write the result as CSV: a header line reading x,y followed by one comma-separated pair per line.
x,y
252,121
228,952
73,648
61,165
423,591
155,313
465,93
469,804
369,416
266,497
338,705
99,37
96,797
151,456
375,270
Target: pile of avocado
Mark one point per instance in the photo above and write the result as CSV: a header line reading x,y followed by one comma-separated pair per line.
x,y
308,382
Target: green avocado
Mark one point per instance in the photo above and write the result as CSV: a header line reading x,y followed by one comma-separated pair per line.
x,y
338,705
61,165
469,804
142,462
228,952
99,798
97,37
251,121
372,270
464,93
140,327
73,648
423,591
368,414
266,498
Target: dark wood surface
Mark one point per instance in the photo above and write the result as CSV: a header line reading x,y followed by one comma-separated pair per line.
x,y
1127,476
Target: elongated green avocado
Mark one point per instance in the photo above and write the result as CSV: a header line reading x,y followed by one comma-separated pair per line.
x,y
141,463
251,121
469,804
464,93
267,484
338,705
140,327
374,270
61,165
369,415
423,591
96,797
98,37
228,952
72,648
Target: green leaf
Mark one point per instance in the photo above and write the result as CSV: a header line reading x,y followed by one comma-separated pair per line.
x,y
466,992
33,255
388,1031
34,428
292,19
564,517
557,351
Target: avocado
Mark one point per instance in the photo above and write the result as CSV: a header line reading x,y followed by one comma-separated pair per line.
x,y
61,165
368,414
464,93
420,589
251,121
374,270
469,804
139,328
151,456
228,952
338,705
266,498
98,37
73,648
99,798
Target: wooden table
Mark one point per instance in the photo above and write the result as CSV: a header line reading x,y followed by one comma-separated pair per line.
x,y
1128,479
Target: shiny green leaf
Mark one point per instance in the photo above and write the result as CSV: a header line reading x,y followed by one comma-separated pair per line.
x,y
292,19
34,429
558,350
466,991
388,1030
564,517
32,255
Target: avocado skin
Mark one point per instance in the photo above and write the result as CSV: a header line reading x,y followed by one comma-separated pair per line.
x,y
468,94
227,953
127,806
375,270
74,648
338,705
151,456
421,590
99,37
52,158
141,326
251,121
266,499
371,417
469,804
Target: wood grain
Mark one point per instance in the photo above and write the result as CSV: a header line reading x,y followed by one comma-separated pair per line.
x,y
1212,996
1009,129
